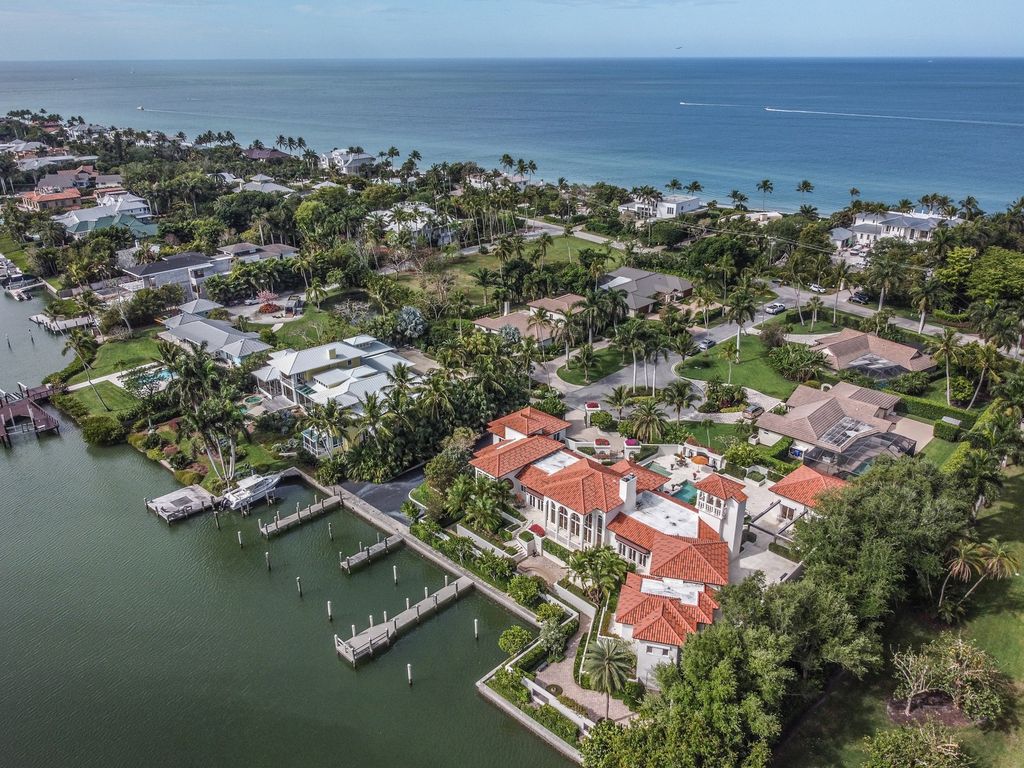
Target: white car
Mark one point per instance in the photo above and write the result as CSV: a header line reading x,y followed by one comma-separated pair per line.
x,y
817,288
775,308
251,302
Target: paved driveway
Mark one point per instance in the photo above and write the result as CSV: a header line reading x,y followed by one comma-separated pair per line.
x,y
388,497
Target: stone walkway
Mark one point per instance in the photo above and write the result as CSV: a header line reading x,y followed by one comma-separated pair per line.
x,y
561,674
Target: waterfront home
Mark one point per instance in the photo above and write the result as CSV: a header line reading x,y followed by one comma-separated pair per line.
x,y
50,201
870,354
798,493
266,185
345,372
80,222
841,238
347,162
120,201
223,341
839,431
910,227
498,179
186,269
527,422
669,207
646,291
264,155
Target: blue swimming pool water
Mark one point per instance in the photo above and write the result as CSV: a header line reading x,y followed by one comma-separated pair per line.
x,y
687,492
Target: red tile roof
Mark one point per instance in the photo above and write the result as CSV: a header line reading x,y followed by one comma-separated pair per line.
x,y
805,485
502,459
528,421
722,488
703,559
661,619
581,487
646,480
46,197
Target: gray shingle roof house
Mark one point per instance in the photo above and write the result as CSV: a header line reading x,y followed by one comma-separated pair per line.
x,y
645,290
226,343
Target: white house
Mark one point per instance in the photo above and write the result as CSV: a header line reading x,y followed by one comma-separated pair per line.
x,y
669,207
912,227
347,162
420,221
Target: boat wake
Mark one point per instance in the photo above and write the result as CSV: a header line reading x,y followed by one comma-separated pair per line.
x,y
706,104
869,116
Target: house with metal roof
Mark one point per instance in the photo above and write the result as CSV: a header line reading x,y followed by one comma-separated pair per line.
x,y
910,227
178,269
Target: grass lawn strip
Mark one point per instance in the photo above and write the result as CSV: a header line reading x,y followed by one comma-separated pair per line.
x,y
752,371
606,362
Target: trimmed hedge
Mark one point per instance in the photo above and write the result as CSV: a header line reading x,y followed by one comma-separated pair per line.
x,y
928,409
946,431
556,549
556,722
955,462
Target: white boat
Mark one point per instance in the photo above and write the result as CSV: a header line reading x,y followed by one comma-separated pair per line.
x,y
141,109
252,488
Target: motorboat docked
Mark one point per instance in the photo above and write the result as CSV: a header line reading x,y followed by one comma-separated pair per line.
x,y
252,488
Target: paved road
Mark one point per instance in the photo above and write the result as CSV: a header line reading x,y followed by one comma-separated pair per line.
x,y
388,497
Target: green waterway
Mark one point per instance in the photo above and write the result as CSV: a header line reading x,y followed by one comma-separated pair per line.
x,y
129,643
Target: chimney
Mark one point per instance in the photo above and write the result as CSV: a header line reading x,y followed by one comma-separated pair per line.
x,y
627,491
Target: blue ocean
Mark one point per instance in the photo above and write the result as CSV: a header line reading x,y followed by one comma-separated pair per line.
x,y
891,128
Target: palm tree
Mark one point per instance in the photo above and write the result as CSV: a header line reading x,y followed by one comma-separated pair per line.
x,y
674,185
742,308
619,398
544,242
965,560
841,274
485,278
998,562
765,187
694,187
804,187
947,349
887,272
316,292
330,422
815,304
926,296
985,358
585,359
679,394
84,346
648,422
608,665
981,476
590,309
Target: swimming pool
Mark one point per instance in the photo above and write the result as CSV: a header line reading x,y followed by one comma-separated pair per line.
x,y
686,492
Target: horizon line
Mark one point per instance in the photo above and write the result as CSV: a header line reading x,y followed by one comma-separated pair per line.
x,y
660,57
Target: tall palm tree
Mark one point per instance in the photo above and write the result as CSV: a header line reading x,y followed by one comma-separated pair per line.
x,y
608,664
590,309
926,295
765,187
986,359
331,423
485,278
585,359
815,304
841,274
316,292
981,476
679,395
804,187
965,560
619,398
887,272
742,309
947,350
84,347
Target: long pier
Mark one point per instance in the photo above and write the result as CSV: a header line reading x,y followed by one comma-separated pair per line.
x,y
60,326
300,516
368,554
377,638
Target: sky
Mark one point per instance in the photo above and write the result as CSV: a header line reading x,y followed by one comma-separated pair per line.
x,y
239,29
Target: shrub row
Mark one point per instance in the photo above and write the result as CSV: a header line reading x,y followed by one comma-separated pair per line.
x,y
946,431
556,549
928,409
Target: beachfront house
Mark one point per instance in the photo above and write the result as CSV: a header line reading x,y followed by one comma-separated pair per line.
x,y
669,207
839,431
347,162
646,291
910,227
182,269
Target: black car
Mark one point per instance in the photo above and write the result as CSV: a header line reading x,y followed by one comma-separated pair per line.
x,y
859,297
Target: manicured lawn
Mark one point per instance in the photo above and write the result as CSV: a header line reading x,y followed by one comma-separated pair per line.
x,y
823,325
316,326
938,450
752,371
713,435
14,252
606,361
114,356
116,399
562,250
832,733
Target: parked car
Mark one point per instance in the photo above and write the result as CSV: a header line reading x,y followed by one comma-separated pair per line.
x,y
752,411
859,297
817,288
251,302
775,308
706,344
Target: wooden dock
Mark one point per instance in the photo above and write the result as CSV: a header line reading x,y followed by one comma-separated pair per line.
x,y
60,325
297,518
377,638
21,413
368,554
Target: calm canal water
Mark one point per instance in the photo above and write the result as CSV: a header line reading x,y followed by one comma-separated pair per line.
x,y
128,643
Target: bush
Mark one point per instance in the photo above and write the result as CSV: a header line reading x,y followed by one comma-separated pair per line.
x,y
76,409
547,611
633,694
909,383
102,430
955,462
926,409
526,536
552,406
553,548
572,704
773,336
188,477
556,722
180,460
514,639
960,389
525,590
602,420
152,440
508,683
946,431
